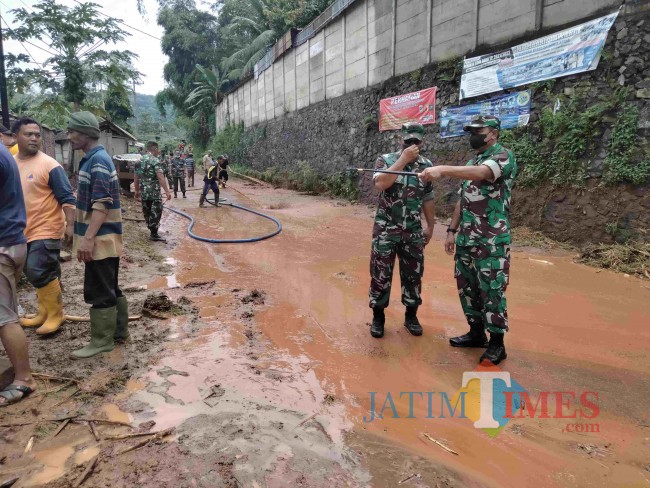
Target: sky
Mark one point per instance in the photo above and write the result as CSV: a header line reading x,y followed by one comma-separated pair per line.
x,y
151,59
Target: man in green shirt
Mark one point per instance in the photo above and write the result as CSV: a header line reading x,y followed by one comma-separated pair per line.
x,y
482,248
398,230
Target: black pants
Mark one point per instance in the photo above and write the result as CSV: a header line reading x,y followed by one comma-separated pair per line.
x,y
101,289
223,175
211,185
178,179
42,265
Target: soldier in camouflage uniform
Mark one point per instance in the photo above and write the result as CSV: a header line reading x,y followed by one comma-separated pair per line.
x,y
149,178
398,230
482,220
165,165
178,174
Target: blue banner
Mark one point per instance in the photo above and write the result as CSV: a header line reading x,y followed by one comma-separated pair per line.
x,y
512,109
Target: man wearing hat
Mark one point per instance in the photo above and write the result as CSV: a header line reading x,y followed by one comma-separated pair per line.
x,y
98,237
398,230
50,206
149,179
8,140
482,247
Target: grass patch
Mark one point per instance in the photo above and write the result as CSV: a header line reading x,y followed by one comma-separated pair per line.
x,y
524,236
631,258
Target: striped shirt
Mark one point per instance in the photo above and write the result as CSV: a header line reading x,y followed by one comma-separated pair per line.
x,y
99,188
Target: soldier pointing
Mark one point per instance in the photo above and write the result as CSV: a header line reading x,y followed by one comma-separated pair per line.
x,y
482,220
398,230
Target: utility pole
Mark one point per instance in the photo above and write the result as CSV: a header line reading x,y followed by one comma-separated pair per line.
x,y
4,99
135,108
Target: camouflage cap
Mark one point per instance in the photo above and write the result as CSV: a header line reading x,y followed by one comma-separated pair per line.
x,y
412,130
479,121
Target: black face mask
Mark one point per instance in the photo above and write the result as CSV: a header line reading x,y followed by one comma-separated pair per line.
x,y
477,140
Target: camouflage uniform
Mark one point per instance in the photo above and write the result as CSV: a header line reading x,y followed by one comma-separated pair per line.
x,y
483,243
147,170
178,174
164,164
398,231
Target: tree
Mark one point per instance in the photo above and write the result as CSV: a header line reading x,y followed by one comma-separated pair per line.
x,y
74,36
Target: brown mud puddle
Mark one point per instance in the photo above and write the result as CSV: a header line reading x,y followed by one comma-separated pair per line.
x,y
268,382
574,329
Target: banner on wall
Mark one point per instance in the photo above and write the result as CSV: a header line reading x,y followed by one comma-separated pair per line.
x,y
512,109
564,53
419,106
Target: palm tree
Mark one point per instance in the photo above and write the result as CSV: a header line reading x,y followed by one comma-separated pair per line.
x,y
253,24
204,97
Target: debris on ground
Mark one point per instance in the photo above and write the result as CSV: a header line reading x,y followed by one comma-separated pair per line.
x,y
159,306
256,297
631,258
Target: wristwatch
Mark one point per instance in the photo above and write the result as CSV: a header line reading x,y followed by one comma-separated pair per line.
x,y
453,231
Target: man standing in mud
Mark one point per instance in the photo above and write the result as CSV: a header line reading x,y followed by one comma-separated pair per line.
x,y
149,178
398,230
98,237
178,174
482,220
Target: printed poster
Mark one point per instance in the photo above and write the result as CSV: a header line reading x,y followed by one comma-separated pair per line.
x,y
419,106
567,52
512,109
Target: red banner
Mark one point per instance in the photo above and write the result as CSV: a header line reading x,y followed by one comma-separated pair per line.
x,y
419,106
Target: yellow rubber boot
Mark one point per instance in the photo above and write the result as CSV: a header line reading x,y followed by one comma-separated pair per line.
x,y
53,301
41,315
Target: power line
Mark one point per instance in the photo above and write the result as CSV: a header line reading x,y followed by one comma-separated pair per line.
x,y
124,23
26,50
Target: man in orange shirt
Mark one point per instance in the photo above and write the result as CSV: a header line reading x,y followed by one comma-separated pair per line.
x,y
50,206
8,140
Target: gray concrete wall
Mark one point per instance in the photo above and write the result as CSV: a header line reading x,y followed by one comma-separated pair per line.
x,y
374,40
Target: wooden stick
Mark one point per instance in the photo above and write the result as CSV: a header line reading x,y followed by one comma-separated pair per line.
x,y
129,436
61,427
82,318
91,426
21,424
29,445
86,473
53,390
157,436
9,482
133,219
103,421
58,378
307,420
76,390
320,327
440,444
409,478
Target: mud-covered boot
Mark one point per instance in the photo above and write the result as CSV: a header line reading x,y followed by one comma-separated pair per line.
x,y
474,338
496,351
122,321
411,321
103,322
378,321
202,201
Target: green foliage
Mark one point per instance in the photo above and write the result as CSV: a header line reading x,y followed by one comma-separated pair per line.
x,y
619,166
567,139
73,36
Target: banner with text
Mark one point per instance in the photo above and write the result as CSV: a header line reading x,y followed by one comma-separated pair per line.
x,y
512,109
419,106
564,53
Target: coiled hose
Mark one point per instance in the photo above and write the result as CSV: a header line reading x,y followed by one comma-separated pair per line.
x,y
229,241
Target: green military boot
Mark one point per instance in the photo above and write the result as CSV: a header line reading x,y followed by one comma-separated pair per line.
x,y
103,322
122,327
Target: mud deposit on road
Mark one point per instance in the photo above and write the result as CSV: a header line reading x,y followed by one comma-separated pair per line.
x,y
258,359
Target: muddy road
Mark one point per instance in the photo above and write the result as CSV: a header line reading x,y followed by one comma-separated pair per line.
x,y
264,368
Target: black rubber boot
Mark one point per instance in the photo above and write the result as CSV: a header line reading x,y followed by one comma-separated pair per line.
x,y
155,237
496,351
378,321
411,321
474,338
202,201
